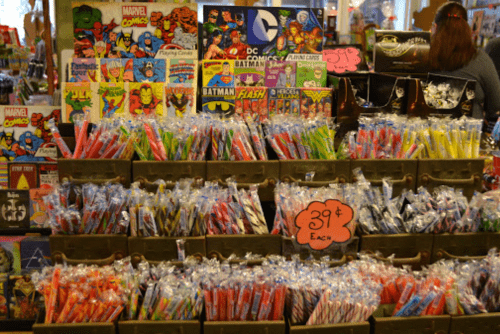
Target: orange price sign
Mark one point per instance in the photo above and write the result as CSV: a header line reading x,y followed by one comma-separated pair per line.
x,y
323,223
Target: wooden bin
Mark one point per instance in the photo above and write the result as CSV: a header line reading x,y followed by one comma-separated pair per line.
x,y
325,171
244,327
464,246
97,171
222,246
159,327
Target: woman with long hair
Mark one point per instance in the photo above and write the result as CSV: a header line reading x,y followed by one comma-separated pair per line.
x,y
453,53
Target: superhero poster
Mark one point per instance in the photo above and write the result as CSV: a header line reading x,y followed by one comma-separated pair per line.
x,y
261,33
182,72
316,102
284,101
218,73
311,74
117,70
249,73
252,101
146,98
218,100
135,30
281,74
112,98
84,70
79,100
25,134
180,101
149,70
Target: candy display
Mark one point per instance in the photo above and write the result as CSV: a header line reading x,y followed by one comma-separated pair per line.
x,y
441,96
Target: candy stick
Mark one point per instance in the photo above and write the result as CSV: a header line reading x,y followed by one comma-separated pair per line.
x,y
80,139
59,141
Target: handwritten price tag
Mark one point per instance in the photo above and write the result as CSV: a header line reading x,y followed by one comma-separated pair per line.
x,y
342,59
322,224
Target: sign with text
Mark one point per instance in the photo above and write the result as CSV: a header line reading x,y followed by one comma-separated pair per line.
x,y
342,59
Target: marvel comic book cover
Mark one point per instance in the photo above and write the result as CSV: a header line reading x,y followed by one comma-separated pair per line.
x,y
182,72
218,73
261,33
180,101
150,70
84,70
25,135
146,98
311,74
117,70
218,100
316,101
249,73
252,101
135,30
280,73
112,98
79,98
39,217
284,101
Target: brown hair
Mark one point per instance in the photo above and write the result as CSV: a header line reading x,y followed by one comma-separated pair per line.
x,y
451,44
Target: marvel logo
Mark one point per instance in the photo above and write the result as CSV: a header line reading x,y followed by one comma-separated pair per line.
x,y
16,112
134,11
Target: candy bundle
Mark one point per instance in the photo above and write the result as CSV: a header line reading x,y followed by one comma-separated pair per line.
x,y
295,138
392,136
442,95
80,294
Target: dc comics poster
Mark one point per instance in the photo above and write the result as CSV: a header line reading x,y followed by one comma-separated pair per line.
x,y
146,98
252,101
135,30
218,73
249,73
180,101
182,72
311,74
84,70
218,100
284,101
316,101
112,98
281,74
150,70
117,70
80,99
261,33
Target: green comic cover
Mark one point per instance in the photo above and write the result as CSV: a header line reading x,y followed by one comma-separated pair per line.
x,y
311,74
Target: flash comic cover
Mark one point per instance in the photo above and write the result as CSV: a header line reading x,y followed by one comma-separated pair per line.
x,y
117,70
180,100
249,73
218,73
315,101
281,74
146,98
261,33
284,101
112,98
311,74
218,100
252,101
84,70
182,72
25,134
149,70
79,98
134,30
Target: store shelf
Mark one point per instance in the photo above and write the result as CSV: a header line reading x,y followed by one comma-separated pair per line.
x,y
24,231
16,325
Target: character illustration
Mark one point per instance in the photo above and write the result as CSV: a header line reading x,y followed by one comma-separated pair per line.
x,y
113,71
249,81
314,38
185,40
295,36
8,146
237,50
124,43
6,261
109,105
224,78
28,146
143,101
42,124
183,17
25,299
214,51
284,20
79,105
149,44
98,32
180,102
281,49
149,73
211,25
286,79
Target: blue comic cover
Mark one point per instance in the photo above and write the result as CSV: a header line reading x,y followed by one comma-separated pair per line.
x,y
261,33
149,70
284,101
182,72
218,100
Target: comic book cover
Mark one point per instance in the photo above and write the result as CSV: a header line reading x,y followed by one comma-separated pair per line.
x,y
78,98
284,101
218,100
311,74
316,101
149,70
25,302
4,174
23,176
117,70
180,101
218,73
182,72
261,33
249,73
38,210
84,70
48,174
133,30
112,98
146,98
4,296
280,73
25,135
252,101
10,255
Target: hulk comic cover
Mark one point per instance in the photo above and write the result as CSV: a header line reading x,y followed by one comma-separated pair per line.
x,y
84,70
218,100
146,98
261,33
249,73
149,70
182,72
280,73
252,101
112,98
311,74
316,101
25,134
180,101
117,70
80,98
218,73
135,30
284,101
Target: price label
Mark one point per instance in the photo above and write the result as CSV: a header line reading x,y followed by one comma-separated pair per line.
x,y
323,223
342,59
